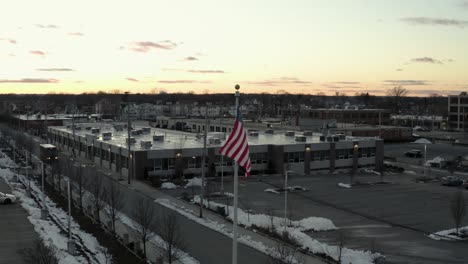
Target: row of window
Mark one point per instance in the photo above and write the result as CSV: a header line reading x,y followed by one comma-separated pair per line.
x,y
297,157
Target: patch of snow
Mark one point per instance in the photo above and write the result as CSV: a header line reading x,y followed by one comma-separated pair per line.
x,y
271,191
168,185
422,141
372,171
446,234
436,160
194,182
410,172
344,185
228,194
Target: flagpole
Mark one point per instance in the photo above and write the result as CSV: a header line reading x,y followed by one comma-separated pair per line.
x,y
236,172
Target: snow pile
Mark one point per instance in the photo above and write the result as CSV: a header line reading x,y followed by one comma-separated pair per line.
x,y
422,141
296,230
446,234
194,182
344,185
228,194
372,171
271,191
436,160
168,185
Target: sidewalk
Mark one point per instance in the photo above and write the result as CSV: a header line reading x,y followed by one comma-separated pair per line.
x,y
154,194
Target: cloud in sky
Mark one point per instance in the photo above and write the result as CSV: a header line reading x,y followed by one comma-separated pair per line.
x,y
11,41
430,21
279,81
426,60
50,26
55,69
399,69
132,79
464,4
182,81
190,58
146,46
37,52
205,71
349,83
29,80
77,34
406,82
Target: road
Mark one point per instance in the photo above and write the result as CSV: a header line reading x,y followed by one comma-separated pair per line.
x,y
15,229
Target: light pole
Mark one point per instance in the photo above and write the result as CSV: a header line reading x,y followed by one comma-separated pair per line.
x,y
425,159
44,207
286,198
71,242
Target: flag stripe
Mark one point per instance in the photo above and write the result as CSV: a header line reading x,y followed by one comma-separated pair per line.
x,y
236,146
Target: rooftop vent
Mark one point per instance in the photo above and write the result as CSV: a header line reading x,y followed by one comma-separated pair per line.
x,y
107,136
214,141
118,127
132,140
307,133
269,131
146,130
289,134
301,139
95,130
158,138
146,144
253,133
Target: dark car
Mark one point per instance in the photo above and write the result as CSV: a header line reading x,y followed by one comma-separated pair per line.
x,y
414,153
451,181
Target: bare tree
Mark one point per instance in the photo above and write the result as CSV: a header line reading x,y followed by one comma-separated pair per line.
x,y
458,207
397,93
170,232
99,194
144,214
283,254
115,203
80,182
39,253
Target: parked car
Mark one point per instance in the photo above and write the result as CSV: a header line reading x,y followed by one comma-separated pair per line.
x,y
415,153
451,181
7,198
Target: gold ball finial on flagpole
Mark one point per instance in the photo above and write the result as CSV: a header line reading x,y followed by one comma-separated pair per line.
x,y
237,87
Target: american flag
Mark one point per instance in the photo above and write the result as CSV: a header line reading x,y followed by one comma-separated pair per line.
x,y
236,146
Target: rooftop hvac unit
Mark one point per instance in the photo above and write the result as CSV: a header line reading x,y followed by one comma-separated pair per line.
x,y
134,133
88,128
146,130
301,139
90,138
132,140
158,138
269,131
118,127
307,133
95,130
342,136
77,127
253,133
146,144
289,134
322,138
107,136
214,141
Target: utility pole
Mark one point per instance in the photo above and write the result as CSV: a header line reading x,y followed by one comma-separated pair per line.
x,y
71,242
129,128
73,131
202,188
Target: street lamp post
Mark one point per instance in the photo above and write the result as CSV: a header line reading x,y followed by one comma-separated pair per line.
x,y
44,207
286,198
425,159
71,242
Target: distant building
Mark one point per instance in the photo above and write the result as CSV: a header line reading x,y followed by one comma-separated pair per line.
x,y
320,118
458,112
106,108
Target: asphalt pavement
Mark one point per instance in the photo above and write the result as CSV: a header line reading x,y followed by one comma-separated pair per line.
x,y
16,232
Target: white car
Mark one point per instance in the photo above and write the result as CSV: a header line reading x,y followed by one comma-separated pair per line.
x,y
7,198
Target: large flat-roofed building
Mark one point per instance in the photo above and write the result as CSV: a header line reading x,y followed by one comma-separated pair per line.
x,y
168,153
458,112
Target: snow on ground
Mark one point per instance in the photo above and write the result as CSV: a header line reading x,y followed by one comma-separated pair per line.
x,y
296,229
271,191
422,141
168,185
157,240
344,185
436,160
372,171
446,234
410,172
194,182
49,231
228,194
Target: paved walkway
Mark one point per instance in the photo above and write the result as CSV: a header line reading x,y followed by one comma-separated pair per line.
x,y
16,232
153,193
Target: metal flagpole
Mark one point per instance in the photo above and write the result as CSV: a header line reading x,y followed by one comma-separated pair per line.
x,y
236,172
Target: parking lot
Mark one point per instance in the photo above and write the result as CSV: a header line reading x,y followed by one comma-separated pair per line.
x,y
15,229
393,219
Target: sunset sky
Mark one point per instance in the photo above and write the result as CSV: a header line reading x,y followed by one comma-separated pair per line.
x,y
301,46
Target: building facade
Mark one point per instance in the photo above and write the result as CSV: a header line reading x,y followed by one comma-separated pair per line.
x,y
169,154
458,112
